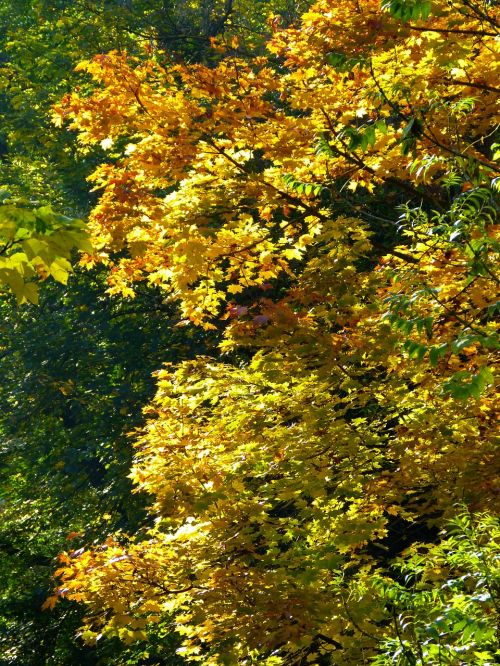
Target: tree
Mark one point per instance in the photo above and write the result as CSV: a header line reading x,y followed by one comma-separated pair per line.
x,y
355,406
42,42
69,394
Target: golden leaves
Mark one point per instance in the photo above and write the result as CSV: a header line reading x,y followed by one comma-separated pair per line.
x,y
216,140
273,481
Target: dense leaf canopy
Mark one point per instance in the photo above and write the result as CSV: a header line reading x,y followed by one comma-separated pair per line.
x,y
292,225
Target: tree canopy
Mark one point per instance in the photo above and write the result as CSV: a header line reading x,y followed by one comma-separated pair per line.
x,y
291,232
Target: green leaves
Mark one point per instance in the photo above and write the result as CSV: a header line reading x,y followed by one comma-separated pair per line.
x,y
406,326
464,384
344,63
437,352
36,243
309,189
363,137
442,308
411,131
406,10
448,607
415,349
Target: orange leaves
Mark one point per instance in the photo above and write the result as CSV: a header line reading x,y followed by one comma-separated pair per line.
x,y
165,250
272,479
50,602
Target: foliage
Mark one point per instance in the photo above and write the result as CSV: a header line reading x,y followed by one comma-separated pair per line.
x,y
36,242
328,209
220,140
42,42
445,612
76,371
87,370
278,485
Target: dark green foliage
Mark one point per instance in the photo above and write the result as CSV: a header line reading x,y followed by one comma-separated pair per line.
x,y
76,371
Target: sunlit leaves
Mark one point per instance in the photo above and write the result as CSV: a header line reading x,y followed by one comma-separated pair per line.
x,y
445,611
355,403
36,243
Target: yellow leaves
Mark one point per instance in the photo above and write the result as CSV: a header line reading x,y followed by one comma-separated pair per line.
x,y
121,289
89,636
128,637
198,252
479,298
186,531
82,66
273,480
235,289
212,177
60,270
304,241
293,253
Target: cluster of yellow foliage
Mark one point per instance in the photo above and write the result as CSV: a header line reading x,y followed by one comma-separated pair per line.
x,y
368,402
